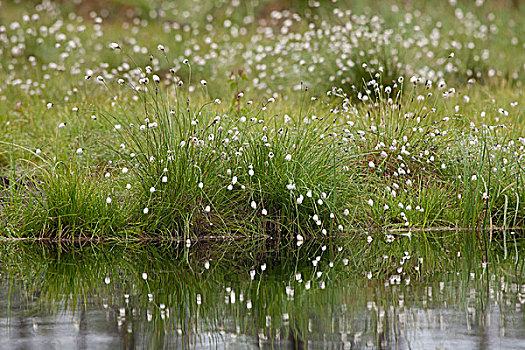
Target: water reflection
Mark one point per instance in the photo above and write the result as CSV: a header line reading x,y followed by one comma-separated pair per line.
x,y
243,296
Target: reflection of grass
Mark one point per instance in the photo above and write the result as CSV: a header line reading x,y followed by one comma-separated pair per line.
x,y
74,277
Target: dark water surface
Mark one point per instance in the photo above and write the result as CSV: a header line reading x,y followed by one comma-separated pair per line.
x,y
236,296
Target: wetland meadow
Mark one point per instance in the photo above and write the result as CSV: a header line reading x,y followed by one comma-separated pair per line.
x,y
238,174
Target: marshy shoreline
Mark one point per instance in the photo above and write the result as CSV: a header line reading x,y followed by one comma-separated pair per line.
x,y
260,174
315,122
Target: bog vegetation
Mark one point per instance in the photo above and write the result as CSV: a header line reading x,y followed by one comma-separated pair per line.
x,y
262,119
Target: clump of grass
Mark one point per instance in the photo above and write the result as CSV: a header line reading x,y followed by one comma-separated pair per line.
x,y
199,170
65,200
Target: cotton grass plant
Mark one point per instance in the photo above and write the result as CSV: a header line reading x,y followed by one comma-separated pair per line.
x,y
65,199
202,169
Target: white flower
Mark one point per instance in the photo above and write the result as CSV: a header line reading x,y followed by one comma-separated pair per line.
x,y
152,189
307,285
128,186
108,200
146,210
264,212
288,157
160,47
125,170
49,105
253,205
80,151
370,202
203,82
144,276
114,46
207,209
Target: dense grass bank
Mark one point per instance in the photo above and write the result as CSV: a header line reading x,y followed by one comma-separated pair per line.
x,y
306,121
